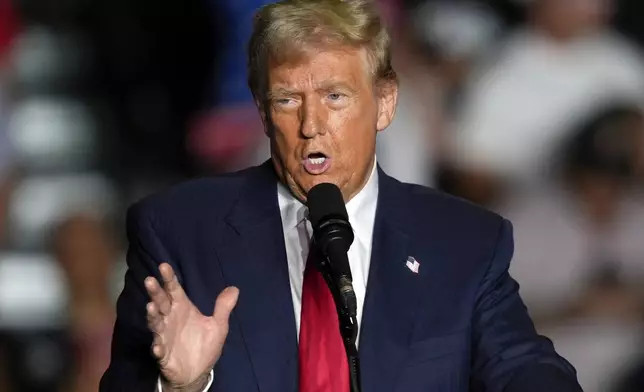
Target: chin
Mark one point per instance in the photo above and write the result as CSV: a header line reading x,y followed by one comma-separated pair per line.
x,y
312,181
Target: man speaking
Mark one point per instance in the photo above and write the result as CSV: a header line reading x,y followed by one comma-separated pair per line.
x,y
225,292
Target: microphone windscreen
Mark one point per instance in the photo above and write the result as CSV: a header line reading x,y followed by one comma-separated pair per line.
x,y
325,201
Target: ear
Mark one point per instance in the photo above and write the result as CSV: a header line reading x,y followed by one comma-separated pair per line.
x,y
387,100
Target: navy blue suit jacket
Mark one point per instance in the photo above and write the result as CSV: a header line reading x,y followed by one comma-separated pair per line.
x,y
458,325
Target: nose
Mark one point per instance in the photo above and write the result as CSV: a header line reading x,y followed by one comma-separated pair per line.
x,y
311,117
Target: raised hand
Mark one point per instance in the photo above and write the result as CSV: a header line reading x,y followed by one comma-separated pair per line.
x,y
186,343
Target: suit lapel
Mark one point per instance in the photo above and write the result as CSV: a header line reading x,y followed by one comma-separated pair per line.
x,y
253,257
392,292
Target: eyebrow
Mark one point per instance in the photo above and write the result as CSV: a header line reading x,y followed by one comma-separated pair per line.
x,y
335,85
280,92
327,86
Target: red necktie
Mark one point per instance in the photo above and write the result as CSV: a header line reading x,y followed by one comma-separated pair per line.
x,y
322,359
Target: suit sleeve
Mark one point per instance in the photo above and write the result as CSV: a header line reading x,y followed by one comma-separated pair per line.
x,y
132,366
509,355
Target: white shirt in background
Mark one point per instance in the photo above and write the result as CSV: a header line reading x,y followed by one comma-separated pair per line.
x,y
519,109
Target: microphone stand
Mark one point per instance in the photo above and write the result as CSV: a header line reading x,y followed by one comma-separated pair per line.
x,y
348,327
349,331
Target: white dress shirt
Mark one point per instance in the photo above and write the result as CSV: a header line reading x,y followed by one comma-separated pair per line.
x,y
297,235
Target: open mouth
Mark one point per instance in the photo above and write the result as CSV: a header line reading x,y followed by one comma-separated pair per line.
x,y
316,163
316,158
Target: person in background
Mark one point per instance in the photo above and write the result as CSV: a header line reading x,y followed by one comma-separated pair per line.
x,y
227,134
579,251
600,170
435,44
406,151
86,254
9,26
547,76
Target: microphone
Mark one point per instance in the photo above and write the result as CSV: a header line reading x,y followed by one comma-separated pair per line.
x,y
333,235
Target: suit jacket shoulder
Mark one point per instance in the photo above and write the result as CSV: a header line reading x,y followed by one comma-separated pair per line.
x,y
458,223
188,200
461,213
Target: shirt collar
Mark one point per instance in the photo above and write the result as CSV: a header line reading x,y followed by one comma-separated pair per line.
x,y
293,212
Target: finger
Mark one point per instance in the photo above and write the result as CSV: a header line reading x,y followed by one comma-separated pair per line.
x,y
170,282
158,350
225,304
155,319
158,295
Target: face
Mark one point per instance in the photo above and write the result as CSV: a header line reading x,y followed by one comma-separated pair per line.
x,y
322,115
573,17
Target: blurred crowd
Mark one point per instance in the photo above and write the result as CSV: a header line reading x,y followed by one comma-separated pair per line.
x,y
532,108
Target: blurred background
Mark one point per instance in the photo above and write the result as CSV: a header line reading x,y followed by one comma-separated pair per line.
x,y
533,108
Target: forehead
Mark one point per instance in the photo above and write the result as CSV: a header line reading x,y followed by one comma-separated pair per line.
x,y
319,67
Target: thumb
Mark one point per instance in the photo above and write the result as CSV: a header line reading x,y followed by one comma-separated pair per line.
x,y
225,304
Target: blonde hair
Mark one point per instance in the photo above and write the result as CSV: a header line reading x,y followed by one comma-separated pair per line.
x,y
286,30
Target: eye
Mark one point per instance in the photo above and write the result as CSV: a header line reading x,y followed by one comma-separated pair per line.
x,y
335,96
284,102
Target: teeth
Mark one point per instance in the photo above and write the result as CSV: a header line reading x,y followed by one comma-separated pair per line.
x,y
317,161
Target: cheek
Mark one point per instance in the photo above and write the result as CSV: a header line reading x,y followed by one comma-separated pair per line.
x,y
359,123
286,134
353,135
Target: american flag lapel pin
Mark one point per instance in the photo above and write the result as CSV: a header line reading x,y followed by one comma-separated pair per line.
x,y
412,264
